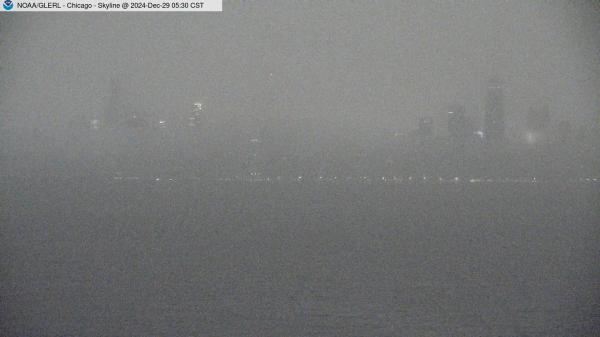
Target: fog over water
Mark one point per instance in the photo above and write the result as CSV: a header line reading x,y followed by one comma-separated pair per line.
x,y
302,168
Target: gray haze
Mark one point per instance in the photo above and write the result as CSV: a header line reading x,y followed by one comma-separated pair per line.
x,y
357,168
353,66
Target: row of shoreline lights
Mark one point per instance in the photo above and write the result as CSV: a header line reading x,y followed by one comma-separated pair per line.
x,y
368,179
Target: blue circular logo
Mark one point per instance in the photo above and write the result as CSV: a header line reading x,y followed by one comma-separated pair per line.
x,y
8,5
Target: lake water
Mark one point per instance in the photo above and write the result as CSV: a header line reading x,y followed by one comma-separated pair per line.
x,y
139,258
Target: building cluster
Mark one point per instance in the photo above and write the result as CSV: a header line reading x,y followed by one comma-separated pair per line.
x,y
190,146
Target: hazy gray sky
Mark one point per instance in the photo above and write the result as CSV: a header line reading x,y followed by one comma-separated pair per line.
x,y
357,65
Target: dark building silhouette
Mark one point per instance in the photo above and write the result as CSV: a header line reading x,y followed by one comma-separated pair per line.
x,y
425,126
563,131
114,113
135,122
494,119
457,123
538,118
196,115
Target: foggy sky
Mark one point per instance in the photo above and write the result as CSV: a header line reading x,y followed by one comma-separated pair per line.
x,y
348,66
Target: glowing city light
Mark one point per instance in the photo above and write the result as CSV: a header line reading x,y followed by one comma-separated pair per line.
x,y
531,137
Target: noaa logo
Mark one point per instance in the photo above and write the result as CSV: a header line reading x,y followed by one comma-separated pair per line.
x,y
8,5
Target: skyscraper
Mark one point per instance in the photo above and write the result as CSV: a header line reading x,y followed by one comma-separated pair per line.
x,y
114,114
457,122
494,119
425,126
538,118
563,132
196,115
